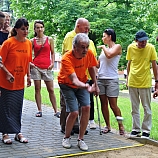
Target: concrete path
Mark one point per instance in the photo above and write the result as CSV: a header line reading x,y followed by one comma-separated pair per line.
x,y
45,138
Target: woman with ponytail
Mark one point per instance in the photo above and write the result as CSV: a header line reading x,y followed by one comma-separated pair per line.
x,y
16,53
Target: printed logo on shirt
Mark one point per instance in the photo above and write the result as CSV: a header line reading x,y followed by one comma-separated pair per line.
x,y
21,51
79,66
18,70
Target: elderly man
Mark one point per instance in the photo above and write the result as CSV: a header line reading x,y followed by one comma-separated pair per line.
x,y
72,80
140,54
81,26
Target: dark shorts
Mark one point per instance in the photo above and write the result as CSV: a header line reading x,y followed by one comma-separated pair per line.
x,y
75,97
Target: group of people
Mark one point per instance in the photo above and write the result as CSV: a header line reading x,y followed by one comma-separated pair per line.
x,y
16,63
81,77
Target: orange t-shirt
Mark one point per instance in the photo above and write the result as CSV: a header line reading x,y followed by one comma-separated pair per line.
x,y
15,57
69,65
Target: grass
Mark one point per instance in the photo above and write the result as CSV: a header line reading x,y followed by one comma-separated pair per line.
x,y
123,103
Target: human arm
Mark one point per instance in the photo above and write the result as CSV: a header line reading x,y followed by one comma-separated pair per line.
x,y
128,70
52,53
1,64
31,64
95,88
28,76
9,76
75,81
155,72
110,53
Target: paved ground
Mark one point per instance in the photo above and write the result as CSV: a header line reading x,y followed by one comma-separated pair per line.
x,y
45,138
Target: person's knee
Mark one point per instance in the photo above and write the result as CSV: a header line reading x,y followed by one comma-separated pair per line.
x,y
85,108
73,114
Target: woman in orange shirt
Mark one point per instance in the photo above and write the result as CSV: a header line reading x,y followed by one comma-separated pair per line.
x,y
16,53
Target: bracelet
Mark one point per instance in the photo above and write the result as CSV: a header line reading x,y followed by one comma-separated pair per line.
x,y
156,80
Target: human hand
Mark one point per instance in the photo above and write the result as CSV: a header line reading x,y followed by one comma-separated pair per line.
x,y
51,67
94,89
32,65
10,77
155,94
28,81
101,46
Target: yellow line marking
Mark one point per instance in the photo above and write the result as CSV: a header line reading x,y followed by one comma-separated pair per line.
x,y
95,151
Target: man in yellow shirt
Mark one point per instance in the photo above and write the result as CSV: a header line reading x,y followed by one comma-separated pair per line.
x,y
82,26
141,55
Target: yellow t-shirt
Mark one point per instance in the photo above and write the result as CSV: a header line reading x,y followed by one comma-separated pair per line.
x,y
67,45
140,74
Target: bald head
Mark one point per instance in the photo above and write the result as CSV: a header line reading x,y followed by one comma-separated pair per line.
x,y
82,26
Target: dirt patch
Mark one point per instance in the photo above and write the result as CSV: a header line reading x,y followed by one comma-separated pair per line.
x,y
146,151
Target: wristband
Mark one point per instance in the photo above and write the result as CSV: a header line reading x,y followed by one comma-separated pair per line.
x,y
156,80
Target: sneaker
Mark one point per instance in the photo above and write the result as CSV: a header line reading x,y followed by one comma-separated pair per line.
x,y
66,143
92,124
82,145
145,135
135,134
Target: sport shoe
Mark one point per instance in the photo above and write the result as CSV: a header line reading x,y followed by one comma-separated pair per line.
x,y
82,145
145,135
135,134
92,124
66,143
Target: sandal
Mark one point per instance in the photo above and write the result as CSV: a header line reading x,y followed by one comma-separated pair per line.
x,y
57,114
106,130
6,141
122,132
39,114
19,137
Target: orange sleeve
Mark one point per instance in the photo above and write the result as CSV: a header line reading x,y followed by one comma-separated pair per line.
x,y
16,57
69,65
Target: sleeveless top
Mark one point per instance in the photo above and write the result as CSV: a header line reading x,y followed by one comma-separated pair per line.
x,y
108,67
42,59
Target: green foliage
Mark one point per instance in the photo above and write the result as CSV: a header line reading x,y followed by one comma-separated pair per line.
x,y
126,17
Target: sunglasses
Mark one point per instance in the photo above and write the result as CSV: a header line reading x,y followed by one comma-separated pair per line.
x,y
39,21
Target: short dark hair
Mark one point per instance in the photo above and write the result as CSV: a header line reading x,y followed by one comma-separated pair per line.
x,y
112,33
40,22
2,15
20,22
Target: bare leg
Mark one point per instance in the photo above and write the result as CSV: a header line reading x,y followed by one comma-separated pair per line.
x,y
105,110
37,84
115,109
85,112
50,88
70,122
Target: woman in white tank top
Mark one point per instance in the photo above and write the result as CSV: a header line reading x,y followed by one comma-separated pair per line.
x,y
108,80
